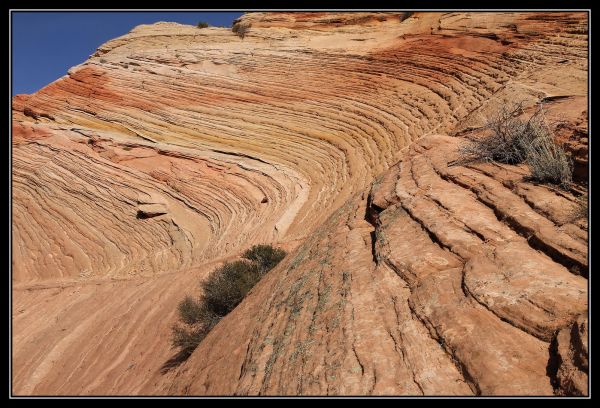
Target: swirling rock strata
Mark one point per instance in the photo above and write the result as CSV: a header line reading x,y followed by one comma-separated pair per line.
x,y
421,287
173,147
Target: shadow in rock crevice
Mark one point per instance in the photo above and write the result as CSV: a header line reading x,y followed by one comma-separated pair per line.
x,y
175,361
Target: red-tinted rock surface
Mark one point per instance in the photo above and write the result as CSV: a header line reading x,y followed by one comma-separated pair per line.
x,y
439,294
571,348
174,147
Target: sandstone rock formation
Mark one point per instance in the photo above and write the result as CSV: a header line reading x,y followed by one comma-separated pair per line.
x,y
571,364
334,135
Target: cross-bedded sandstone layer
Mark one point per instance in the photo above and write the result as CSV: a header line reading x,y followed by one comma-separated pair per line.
x,y
174,147
444,280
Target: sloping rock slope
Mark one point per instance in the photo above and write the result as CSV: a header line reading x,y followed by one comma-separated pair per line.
x,y
173,148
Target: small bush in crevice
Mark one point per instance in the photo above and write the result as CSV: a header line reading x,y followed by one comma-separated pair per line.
x,y
513,140
223,290
241,28
228,285
202,24
264,256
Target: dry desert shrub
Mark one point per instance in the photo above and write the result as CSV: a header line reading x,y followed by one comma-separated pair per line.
x,y
241,28
223,290
513,140
264,256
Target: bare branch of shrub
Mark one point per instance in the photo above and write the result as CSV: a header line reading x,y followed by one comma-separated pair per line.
x,y
187,339
513,140
581,208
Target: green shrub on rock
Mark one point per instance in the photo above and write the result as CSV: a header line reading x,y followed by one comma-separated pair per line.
x,y
223,290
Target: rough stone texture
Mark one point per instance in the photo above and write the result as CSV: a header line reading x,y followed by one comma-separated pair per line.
x,y
474,270
173,148
423,271
571,347
328,321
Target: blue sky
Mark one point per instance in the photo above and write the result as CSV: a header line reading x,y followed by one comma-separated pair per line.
x,y
46,44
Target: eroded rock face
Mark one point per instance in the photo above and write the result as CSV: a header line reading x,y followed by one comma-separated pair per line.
x,y
172,149
329,321
571,348
438,294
